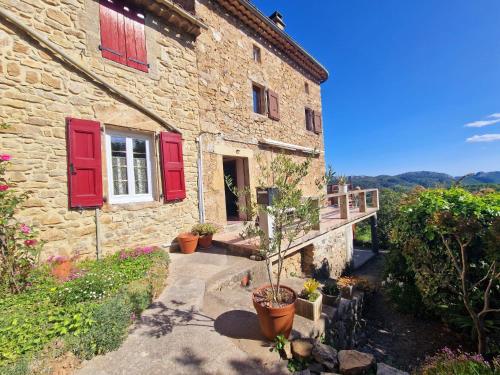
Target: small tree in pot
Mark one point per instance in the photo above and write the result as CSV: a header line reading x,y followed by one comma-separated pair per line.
x,y
293,215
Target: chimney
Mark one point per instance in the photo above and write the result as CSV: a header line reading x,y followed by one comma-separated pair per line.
x,y
277,18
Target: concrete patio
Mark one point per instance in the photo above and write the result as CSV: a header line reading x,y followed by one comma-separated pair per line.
x,y
194,326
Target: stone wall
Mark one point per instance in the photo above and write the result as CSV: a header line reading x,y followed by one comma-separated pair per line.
x,y
38,91
202,84
226,74
331,253
325,257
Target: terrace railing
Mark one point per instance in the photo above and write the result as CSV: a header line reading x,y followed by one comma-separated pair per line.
x,y
356,199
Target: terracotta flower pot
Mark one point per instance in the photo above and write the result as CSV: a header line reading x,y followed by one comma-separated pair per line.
x,y
205,241
188,242
274,321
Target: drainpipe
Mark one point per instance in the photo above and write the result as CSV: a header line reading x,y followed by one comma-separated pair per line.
x,y
97,233
201,203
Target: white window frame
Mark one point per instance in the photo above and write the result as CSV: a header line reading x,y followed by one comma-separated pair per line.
x,y
132,197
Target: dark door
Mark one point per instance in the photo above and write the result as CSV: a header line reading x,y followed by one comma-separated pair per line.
x,y
231,198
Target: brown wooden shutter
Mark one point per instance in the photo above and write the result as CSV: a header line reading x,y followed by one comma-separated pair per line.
x,y
84,163
172,166
318,125
273,105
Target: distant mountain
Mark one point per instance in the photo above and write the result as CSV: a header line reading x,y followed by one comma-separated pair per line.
x,y
423,178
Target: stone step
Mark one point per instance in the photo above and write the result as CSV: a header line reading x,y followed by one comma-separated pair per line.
x,y
305,328
252,271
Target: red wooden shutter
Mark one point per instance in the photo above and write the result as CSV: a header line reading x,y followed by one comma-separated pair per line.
x,y
172,166
318,126
84,163
112,31
274,105
135,39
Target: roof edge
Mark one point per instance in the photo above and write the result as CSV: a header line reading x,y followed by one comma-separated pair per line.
x,y
299,55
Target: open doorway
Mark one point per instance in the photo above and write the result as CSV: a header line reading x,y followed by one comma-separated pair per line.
x,y
237,169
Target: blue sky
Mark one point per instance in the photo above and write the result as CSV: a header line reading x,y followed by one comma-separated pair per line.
x,y
406,76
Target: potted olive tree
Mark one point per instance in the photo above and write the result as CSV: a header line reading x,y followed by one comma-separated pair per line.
x,y
206,232
310,301
293,215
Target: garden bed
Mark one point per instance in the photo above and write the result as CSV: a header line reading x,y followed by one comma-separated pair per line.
x,y
87,313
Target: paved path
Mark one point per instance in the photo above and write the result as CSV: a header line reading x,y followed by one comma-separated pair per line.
x,y
177,336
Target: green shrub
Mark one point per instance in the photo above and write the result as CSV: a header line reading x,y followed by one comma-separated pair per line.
x,y
19,248
112,318
434,232
140,294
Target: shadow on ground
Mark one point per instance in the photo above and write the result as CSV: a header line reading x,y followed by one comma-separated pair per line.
x,y
159,320
190,360
239,324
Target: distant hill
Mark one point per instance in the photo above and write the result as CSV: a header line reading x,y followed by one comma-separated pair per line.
x,y
423,178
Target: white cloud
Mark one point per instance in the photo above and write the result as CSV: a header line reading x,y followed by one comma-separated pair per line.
x,y
494,115
480,124
483,138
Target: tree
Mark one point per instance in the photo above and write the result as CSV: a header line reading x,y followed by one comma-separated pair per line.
x,y
293,214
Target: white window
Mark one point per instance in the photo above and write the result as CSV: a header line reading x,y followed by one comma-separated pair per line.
x,y
129,167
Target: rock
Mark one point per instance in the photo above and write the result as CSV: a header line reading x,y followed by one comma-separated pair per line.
x,y
303,372
302,348
315,368
352,362
383,369
287,350
326,355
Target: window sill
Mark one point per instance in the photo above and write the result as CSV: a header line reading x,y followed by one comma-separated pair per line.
x,y
130,206
259,116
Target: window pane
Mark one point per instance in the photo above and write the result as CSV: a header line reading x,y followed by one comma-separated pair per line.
x,y
119,165
256,99
140,166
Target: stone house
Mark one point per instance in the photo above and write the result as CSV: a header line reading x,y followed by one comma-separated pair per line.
x,y
125,115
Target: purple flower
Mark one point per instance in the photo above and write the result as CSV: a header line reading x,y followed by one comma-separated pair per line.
x,y
25,229
5,157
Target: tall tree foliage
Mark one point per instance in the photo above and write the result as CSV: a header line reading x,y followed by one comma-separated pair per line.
x,y
450,241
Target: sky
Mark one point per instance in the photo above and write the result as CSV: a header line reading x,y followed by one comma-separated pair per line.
x,y
414,84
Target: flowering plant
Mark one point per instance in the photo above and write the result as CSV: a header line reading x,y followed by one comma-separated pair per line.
x,y
138,251
19,248
447,361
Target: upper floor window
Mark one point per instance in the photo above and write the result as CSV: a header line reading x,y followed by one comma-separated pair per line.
x,y
258,99
306,87
256,54
123,37
309,119
129,168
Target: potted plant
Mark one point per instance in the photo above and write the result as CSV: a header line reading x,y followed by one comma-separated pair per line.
x,y
288,215
310,300
206,232
188,242
331,293
342,182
